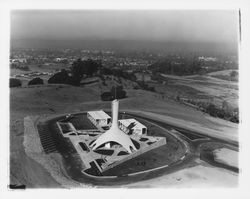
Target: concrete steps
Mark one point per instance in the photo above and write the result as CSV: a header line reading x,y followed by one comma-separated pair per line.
x,y
47,141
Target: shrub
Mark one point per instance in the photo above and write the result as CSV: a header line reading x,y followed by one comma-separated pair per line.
x,y
36,81
235,119
106,96
115,93
118,92
15,82
118,73
106,71
80,68
225,114
145,86
104,83
62,78
136,87
234,75
211,110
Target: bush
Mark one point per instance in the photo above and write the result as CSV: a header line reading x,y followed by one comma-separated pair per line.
x,y
178,98
15,82
104,83
106,96
136,87
35,81
234,119
234,75
212,110
118,73
115,93
151,88
80,68
145,86
118,92
62,78
106,71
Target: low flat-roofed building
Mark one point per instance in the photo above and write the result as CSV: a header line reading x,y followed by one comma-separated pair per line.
x,y
99,118
132,126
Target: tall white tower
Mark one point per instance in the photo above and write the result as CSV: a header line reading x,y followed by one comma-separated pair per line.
x,y
114,133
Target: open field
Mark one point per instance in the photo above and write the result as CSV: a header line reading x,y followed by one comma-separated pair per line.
x,y
201,176
222,72
226,156
37,68
204,87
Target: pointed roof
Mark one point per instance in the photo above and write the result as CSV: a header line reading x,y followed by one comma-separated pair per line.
x,y
115,135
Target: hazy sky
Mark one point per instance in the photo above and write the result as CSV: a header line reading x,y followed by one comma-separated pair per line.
x,y
220,25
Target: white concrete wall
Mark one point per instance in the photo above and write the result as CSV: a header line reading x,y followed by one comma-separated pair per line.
x,y
137,153
101,122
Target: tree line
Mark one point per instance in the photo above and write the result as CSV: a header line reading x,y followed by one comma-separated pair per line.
x,y
182,67
77,71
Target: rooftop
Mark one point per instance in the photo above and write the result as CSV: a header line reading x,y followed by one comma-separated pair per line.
x,y
128,122
99,114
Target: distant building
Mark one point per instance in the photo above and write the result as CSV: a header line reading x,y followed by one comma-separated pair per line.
x,y
212,59
132,127
60,59
99,118
19,60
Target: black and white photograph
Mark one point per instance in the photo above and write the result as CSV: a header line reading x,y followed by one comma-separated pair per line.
x,y
124,98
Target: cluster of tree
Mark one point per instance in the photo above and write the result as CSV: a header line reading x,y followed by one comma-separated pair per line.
x,y
63,61
118,73
214,111
116,92
78,70
234,75
61,77
15,82
183,67
88,68
36,81
144,86
224,112
20,67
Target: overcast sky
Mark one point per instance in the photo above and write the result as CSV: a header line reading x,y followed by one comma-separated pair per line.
x,y
166,25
